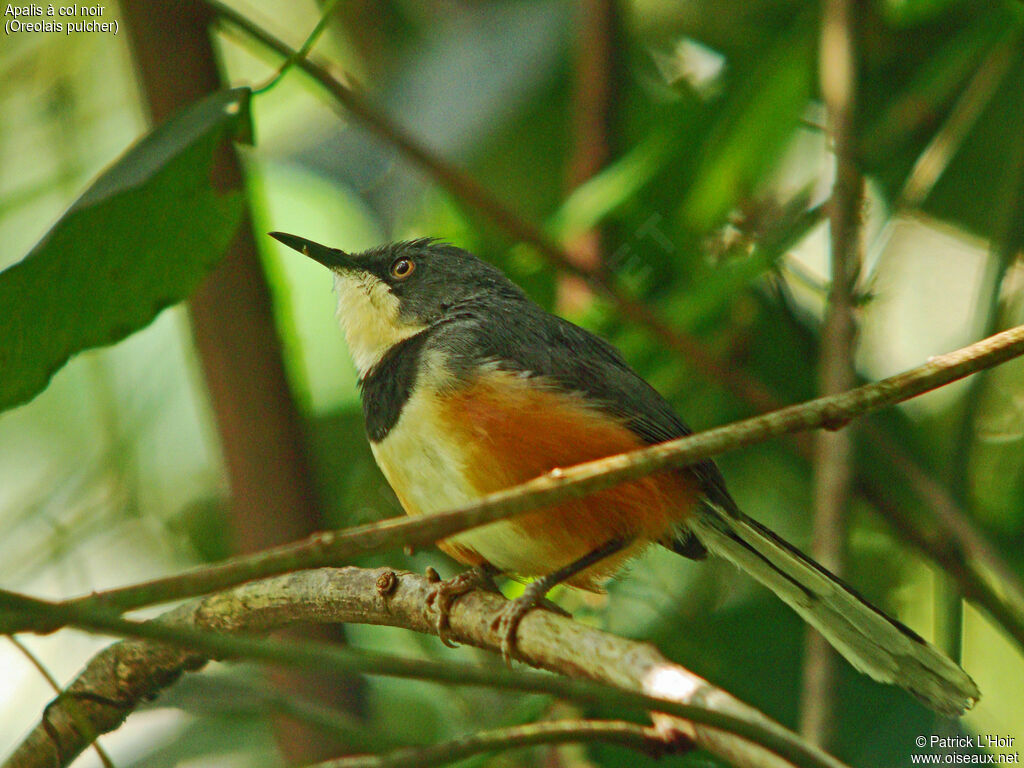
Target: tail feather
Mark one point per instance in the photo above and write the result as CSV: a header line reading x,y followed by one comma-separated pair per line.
x,y
875,644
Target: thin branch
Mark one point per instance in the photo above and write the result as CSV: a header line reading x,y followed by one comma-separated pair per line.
x,y
630,674
832,412
636,737
303,51
834,451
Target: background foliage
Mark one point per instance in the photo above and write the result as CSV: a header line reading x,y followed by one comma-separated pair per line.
x,y
708,209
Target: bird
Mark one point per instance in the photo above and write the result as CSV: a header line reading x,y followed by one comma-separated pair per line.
x,y
469,387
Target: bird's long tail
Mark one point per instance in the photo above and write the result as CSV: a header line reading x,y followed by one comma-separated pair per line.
x,y
872,642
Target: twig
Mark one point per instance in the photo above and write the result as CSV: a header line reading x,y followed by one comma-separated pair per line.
x,y
303,51
832,412
833,451
637,737
631,674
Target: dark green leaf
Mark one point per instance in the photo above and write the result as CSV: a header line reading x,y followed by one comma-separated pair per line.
x,y
138,240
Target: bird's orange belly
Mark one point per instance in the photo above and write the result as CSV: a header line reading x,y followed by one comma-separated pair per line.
x,y
504,430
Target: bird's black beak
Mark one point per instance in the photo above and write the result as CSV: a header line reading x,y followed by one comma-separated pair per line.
x,y
332,258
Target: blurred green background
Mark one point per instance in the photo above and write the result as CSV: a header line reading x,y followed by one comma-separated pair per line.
x,y
706,165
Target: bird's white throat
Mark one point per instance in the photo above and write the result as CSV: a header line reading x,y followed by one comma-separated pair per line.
x,y
369,317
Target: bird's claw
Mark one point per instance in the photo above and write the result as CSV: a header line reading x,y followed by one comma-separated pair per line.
x,y
443,596
506,623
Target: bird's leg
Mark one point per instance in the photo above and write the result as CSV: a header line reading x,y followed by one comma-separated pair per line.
x,y
446,592
507,622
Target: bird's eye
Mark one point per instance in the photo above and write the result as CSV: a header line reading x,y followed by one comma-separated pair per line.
x,y
402,268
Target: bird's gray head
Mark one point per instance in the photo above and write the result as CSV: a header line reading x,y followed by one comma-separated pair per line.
x,y
395,291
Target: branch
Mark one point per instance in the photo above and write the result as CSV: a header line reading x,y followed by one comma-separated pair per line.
x,y
631,673
832,412
833,451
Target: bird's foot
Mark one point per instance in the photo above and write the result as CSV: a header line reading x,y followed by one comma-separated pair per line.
x,y
506,623
443,595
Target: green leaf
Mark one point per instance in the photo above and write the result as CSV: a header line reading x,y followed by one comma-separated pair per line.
x,y
754,127
139,239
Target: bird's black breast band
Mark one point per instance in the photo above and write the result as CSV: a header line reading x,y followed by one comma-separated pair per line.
x,y
387,386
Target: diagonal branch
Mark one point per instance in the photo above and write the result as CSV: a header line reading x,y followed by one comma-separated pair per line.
x,y
627,673
831,412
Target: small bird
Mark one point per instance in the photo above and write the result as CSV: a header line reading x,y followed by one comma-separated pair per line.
x,y
468,387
